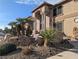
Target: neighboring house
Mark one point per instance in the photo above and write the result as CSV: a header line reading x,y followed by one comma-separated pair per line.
x,y
61,16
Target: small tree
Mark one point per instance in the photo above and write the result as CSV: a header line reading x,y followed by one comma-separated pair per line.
x,y
47,36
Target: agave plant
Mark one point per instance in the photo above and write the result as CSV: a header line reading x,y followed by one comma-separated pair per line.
x,y
47,36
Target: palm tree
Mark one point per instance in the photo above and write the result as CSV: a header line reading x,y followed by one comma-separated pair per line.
x,y
13,27
22,21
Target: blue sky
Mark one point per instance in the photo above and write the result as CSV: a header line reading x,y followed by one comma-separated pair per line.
x,y
12,9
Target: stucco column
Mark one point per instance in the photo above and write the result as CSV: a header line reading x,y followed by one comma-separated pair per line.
x,y
34,27
38,25
51,19
43,21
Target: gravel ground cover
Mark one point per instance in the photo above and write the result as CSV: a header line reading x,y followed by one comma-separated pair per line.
x,y
38,53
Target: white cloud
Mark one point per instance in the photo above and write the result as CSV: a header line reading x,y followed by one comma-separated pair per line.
x,y
37,1
53,1
29,1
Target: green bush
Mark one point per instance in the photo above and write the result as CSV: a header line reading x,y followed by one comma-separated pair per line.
x,y
7,48
52,36
47,36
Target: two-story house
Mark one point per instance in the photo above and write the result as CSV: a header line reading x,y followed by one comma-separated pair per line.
x,y
61,16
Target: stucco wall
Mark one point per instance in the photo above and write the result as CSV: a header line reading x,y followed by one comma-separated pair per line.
x,y
70,7
69,24
70,11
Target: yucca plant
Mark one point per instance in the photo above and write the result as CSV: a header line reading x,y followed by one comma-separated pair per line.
x,y
47,36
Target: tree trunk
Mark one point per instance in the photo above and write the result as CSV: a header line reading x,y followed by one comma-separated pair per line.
x,y
45,42
17,31
22,28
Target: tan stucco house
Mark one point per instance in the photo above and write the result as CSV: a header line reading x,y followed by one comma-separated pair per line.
x,y
61,16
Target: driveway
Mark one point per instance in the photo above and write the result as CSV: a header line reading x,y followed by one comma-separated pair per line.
x,y
65,55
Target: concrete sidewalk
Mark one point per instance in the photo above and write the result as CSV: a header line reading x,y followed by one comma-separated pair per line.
x,y
65,55
70,54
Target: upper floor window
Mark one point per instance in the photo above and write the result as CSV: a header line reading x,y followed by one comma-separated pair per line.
x,y
59,10
54,11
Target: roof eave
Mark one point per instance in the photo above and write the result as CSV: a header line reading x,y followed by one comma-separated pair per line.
x,y
45,3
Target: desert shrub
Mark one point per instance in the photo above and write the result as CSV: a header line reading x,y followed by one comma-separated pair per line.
x,y
13,40
22,41
40,41
47,52
7,48
27,51
25,41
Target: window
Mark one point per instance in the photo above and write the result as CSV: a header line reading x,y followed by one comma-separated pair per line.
x,y
46,10
59,10
54,12
59,26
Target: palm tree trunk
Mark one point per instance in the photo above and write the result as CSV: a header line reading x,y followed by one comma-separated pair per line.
x,y
45,42
12,30
17,31
22,28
